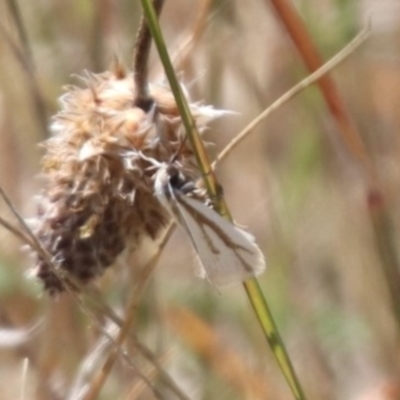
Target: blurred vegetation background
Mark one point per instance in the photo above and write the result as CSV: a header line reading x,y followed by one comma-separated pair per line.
x,y
293,183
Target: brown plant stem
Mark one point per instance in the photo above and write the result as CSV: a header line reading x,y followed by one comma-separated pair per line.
x,y
140,60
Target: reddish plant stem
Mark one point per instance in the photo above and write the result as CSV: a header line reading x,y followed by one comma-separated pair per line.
x,y
309,53
377,207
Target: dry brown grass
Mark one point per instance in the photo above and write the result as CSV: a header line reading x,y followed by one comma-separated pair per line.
x,y
294,184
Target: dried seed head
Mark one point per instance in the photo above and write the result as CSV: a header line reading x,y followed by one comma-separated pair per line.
x,y
98,197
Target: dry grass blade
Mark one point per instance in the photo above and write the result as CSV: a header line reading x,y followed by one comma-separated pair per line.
x,y
27,64
295,90
136,294
37,246
79,386
15,231
386,241
94,300
228,364
24,377
17,19
182,57
97,302
165,378
328,225
313,60
106,344
16,214
142,349
137,389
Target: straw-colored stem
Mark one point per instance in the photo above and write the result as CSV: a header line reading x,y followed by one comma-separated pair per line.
x,y
294,91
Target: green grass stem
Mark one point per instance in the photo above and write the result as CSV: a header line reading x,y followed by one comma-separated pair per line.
x,y
252,286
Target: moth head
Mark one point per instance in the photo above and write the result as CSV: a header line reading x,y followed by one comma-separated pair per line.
x,y
170,177
176,177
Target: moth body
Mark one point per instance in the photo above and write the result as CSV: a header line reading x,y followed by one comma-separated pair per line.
x,y
226,253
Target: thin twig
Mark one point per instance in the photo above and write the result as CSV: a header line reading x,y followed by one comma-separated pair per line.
x,y
295,90
16,214
35,244
16,16
17,232
35,92
108,337
143,350
94,300
181,57
100,378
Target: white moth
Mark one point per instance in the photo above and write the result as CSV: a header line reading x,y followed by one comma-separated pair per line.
x,y
226,253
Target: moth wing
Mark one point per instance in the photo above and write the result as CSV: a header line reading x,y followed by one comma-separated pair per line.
x,y
227,253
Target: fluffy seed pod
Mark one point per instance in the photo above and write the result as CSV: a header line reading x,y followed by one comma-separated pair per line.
x,y
98,198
